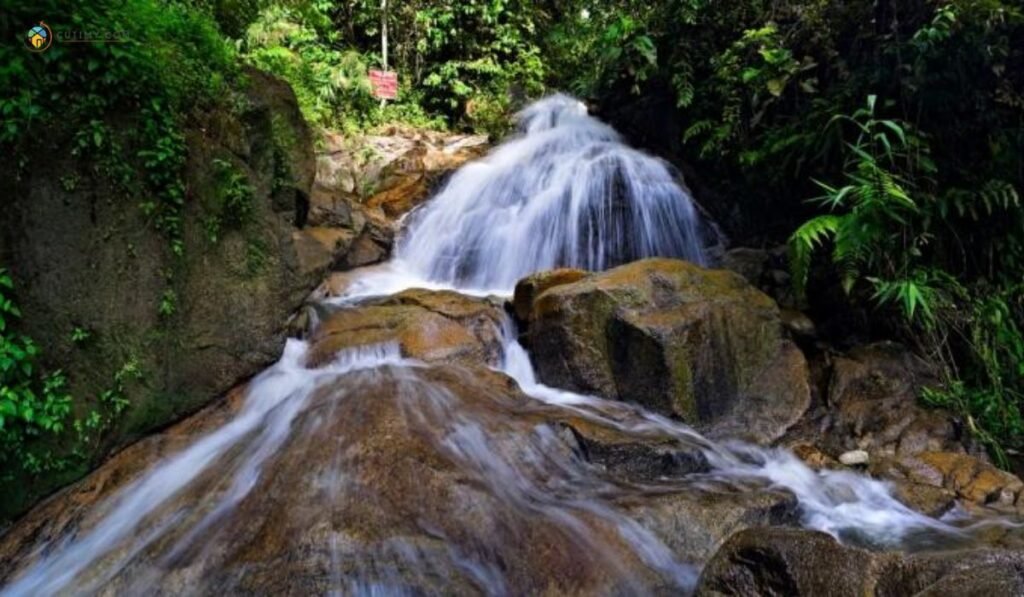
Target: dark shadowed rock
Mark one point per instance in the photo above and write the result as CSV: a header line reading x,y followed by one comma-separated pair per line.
x,y
695,523
873,406
788,563
799,563
766,269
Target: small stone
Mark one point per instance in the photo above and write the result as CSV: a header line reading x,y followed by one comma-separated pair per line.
x,y
797,323
812,456
854,457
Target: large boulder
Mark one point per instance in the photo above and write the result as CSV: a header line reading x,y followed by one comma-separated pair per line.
x,y
794,563
787,562
703,345
166,333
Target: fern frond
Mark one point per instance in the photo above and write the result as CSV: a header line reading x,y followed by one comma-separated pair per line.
x,y
808,237
994,196
696,129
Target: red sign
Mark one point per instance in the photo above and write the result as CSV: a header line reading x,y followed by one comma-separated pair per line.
x,y
384,84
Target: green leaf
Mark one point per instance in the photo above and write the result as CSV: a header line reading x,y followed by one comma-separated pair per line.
x,y
777,85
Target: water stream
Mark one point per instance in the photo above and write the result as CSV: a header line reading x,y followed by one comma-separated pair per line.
x,y
564,191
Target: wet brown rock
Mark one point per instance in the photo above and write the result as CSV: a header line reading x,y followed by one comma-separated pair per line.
x,y
329,209
813,457
790,562
700,344
798,324
927,499
429,326
978,573
321,249
695,523
402,197
368,248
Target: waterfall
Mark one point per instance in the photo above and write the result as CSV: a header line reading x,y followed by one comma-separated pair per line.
x,y
562,192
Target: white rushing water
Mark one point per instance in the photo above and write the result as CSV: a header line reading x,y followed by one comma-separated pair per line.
x,y
565,191
272,401
840,503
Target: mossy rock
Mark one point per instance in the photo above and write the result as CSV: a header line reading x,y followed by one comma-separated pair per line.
x,y
85,256
702,345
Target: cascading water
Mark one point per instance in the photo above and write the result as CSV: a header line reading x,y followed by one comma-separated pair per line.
x,y
564,192
208,517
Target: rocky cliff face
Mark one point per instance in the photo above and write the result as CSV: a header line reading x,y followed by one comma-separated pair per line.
x,y
85,256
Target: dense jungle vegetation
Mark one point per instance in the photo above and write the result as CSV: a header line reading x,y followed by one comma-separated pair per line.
x,y
883,140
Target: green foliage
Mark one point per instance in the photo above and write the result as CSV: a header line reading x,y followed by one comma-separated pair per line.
x,y
80,336
256,256
173,61
36,418
462,52
888,235
989,391
33,403
875,232
232,203
110,405
750,76
458,62
168,303
164,162
300,46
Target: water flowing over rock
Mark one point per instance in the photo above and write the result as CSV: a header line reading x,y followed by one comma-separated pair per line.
x,y
565,192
